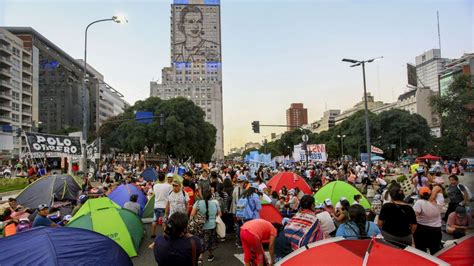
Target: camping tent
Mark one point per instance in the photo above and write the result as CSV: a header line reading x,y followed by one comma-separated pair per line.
x,y
61,246
290,180
338,251
48,189
150,175
122,194
103,216
429,157
460,253
337,189
148,210
377,158
270,213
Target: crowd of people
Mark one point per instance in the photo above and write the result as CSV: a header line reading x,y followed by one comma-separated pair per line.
x,y
210,202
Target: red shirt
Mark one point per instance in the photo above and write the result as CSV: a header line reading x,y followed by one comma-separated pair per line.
x,y
190,193
260,228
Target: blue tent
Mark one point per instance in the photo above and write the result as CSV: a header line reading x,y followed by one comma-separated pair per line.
x,y
61,246
122,194
150,175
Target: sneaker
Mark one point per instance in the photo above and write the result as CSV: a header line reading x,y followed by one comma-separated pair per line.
x,y
238,245
210,258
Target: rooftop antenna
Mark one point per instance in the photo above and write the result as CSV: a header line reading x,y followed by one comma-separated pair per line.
x,y
439,33
378,82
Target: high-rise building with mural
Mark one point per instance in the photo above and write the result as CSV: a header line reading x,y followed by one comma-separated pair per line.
x,y
196,66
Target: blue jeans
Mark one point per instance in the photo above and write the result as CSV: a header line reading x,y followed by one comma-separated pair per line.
x,y
157,213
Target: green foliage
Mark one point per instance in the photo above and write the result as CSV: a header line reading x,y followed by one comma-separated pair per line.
x,y
457,121
389,127
184,134
12,184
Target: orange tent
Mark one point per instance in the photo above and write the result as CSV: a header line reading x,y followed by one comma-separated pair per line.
x,y
290,180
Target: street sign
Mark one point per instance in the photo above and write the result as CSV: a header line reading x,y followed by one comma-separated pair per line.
x,y
305,138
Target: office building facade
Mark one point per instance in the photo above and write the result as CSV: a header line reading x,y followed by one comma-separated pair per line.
x,y
429,66
196,64
296,116
326,122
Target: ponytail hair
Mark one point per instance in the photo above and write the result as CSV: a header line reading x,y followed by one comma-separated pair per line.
x,y
206,200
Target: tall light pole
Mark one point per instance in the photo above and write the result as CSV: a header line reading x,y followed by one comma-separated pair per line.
x,y
367,127
85,91
342,145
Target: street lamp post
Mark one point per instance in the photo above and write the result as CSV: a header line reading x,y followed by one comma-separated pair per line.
x,y
342,145
367,127
85,91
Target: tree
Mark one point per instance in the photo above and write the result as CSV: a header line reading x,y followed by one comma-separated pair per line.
x,y
456,107
183,134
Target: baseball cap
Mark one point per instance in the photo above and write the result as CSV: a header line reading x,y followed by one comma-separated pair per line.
x,y
291,191
432,170
42,207
424,190
420,170
461,211
254,185
328,202
342,198
169,175
241,178
67,218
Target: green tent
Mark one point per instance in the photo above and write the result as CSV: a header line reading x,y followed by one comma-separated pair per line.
x,y
148,210
105,217
337,189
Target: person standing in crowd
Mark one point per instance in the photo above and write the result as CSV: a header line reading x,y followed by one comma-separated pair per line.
x,y
357,227
132,205
42,218
458,222
176,247
293,201
177,200
397,219
420,180
428,230
190,192
437,193
209,209
304,227
457,195
357,199
253,233
161,191
252,205
236,194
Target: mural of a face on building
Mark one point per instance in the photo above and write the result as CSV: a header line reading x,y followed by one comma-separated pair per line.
x,y
193,47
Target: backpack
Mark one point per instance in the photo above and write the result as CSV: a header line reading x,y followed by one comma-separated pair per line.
x,y
242,206
221,202
468,191
23,225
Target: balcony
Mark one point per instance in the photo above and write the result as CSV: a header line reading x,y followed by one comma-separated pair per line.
x,y
26,112
5,49
6,84
5,95
26,101
27,69
6,60
27,90
27,61
5,118
27,81
7,108
6,72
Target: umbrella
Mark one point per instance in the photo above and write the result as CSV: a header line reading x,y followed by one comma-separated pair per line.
x,y
339,251
460,253
429,157
150,174
290,180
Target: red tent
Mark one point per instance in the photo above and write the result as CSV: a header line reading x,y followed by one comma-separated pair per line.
x,y
429,157
338,251
270,213
460,253
290,180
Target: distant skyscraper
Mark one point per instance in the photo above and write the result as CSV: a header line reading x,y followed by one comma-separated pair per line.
x,y
296,116
428,67
196,70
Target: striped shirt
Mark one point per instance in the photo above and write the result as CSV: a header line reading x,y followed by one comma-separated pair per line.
x,y
303,228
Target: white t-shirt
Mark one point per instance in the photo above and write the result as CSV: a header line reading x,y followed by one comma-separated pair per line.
x,y
178,202
161,191
327,224
427,213
262,186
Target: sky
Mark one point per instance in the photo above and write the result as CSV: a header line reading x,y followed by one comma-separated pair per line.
x,y
274,52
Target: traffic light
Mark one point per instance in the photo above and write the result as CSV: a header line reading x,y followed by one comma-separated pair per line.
x,y
256,126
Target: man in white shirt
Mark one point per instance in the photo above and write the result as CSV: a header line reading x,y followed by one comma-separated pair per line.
x,y
161,191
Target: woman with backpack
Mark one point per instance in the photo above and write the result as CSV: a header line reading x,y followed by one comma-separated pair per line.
x,y
208,235
249,206
357,227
